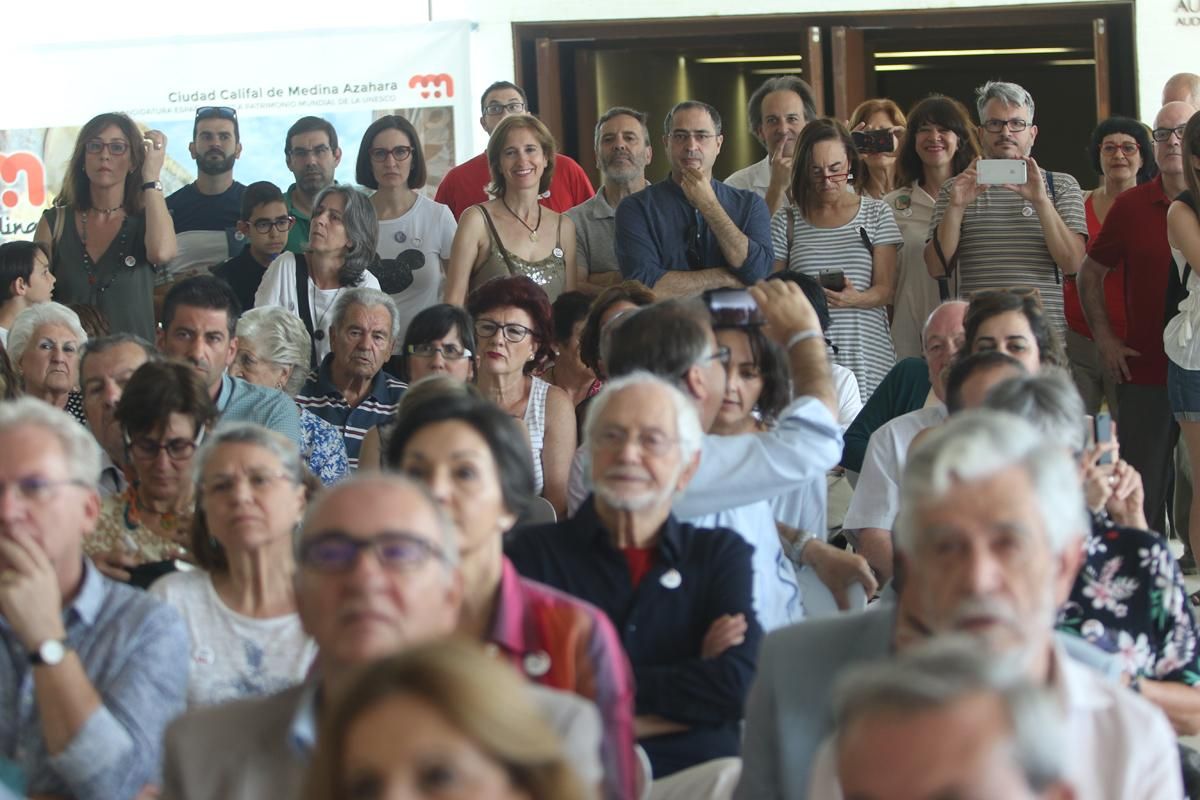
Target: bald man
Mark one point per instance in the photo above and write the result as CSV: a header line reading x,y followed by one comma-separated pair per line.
x,y
1182,87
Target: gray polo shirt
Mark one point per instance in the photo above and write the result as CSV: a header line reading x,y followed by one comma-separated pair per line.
x,y
595,233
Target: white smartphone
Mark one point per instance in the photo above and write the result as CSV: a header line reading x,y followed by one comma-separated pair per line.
x,y
995,171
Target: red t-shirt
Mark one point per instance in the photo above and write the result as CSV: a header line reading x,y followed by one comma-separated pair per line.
x,y
463,186
1114,288
1135,233
640,560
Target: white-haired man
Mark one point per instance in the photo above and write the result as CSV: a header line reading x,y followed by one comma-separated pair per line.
x,y
679,596
91,670
990,531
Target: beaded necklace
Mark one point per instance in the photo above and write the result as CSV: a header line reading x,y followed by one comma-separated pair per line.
x,y
90,267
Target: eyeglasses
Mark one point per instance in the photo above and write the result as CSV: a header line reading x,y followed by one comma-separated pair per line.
x,y
177,449
1128,148
486,329
281,224
320,151
651,442
399,152
1015,124
218,112
117,147
496,109
450,352
820,176
34,489
683,137
1163,134
258,481
721,355
334,552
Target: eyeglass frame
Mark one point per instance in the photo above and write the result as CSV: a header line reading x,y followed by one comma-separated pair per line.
x,y
97,146
683,137
1002,125
264,225
606,438
1126,149
496,109
320,151
194,444
463,352
379,155
502,327
1161,135
429,551
33,488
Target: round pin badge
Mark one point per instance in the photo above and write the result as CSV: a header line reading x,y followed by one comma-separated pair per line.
x,y
536,664
318,334
400,236
204,655
238,236
906,212
1026,211
130,261
558,252
671,579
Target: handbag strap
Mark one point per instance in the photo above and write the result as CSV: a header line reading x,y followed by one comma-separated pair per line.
x,y
791,225
303,308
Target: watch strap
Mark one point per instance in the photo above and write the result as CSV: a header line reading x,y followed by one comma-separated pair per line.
x,y
152,185
36,658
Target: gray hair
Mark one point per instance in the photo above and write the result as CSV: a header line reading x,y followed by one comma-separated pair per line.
x,y
665,339
80,450
364,296
1049,401
975,445
946,670
713,114
780,83
35,317
362,231
94,347
388,482
932,314
687,421
1011,94
278,336
622,111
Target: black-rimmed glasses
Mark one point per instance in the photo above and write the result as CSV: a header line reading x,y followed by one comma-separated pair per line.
x,y
1163,134
487,328
335,552
496,109
1014,124
117,147
281,224
380,154
177,449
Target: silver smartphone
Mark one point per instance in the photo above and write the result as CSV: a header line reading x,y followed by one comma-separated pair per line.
x,y
997,171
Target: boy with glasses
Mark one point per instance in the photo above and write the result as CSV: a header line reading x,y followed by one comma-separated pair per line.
x,y
264,222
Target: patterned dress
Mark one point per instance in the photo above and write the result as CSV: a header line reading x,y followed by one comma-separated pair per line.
x,y
120,529
1130,599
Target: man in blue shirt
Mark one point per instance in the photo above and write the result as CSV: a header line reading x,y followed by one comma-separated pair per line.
x,y
351,390
199,317
91,670
689,232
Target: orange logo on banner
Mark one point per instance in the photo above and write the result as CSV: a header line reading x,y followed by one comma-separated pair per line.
x,y
11,167
432,81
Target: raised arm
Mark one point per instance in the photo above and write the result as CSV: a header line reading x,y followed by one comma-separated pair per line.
x,y
161,246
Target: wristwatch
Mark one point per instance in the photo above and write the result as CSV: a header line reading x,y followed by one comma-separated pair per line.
x,y
50,652
152,185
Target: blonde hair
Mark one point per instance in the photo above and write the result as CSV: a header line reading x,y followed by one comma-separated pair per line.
x,y
482,698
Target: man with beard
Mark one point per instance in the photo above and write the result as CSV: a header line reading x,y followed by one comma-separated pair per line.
x,y
312,155
778,111
679,596
206,212
990,533
622,153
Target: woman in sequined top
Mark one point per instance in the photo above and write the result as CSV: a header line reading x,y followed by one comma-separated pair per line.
x,y
513,234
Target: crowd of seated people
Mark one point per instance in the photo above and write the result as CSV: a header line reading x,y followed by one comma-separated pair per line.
x,y
520,488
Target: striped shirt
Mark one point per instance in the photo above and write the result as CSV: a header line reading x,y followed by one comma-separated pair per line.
x,y
862,336
325,400
1002,245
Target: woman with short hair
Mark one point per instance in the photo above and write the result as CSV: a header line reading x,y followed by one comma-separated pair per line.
x,y
44,345
273,351
339,255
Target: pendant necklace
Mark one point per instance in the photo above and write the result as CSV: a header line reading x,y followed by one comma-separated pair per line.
x,y
532,231
92,269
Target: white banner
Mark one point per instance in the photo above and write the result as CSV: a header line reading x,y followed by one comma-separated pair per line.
x,y
348,77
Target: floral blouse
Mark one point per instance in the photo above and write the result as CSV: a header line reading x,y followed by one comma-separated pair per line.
x,y
1129,599
324,449
120,529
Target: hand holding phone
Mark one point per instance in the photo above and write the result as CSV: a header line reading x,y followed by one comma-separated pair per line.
x,y
832,279
1000,171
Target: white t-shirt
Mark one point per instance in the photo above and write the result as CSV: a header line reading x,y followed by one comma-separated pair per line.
x,y
849,398
278,288
414,246
234,656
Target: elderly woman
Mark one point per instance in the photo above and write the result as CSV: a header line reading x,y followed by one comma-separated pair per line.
x,y
475,461
164,412
440,341
439,720
939,142
341,247
109,225
1015,324
513,234
415,232
273,351
878,114
44,345
846,239
513,328
1123,157
239,608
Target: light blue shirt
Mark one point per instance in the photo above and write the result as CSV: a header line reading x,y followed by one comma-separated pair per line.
x,y
242,401
134,649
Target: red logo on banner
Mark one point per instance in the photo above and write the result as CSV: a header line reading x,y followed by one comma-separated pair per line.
x,y
434,81
11,167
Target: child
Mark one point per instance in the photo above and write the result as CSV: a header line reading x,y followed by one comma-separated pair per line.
x,y
265,224
25,280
